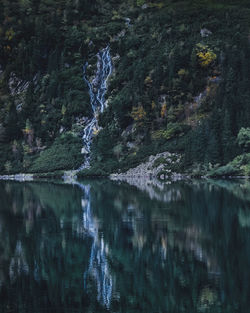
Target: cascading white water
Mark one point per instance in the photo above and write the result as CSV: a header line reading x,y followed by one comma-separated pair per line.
x,y
98,264
97,91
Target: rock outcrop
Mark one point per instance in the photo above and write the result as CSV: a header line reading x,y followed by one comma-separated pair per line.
x,y
162,165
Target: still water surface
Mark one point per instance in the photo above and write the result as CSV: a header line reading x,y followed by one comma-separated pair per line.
x,y
103,246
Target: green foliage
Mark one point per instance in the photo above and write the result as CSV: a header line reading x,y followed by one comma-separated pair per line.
x,y
158,162
239,166
226,170
140,2
93,172
173,130
7,166
166,76
65,153
243,138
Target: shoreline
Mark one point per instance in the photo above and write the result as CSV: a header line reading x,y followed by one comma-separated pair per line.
x,y
18,177
21,177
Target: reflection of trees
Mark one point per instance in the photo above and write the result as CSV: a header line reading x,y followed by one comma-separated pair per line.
x,y
187,253
240,188
198,228
43,259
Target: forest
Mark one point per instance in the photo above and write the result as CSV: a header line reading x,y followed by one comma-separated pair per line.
x,y
180,83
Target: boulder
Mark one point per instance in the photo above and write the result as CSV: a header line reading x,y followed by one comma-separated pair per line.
x,y
84,151
205,32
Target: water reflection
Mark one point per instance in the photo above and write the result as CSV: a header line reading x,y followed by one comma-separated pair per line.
x,y
98,263
100,246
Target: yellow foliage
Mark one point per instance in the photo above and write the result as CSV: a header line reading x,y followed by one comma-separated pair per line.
x,y
7,48
96,131
9,34
159,5
28,128
206,58
153,105
205,55
158,134
148,81
138,114
164,110
182,72
115,16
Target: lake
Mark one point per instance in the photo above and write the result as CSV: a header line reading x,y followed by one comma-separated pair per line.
x,y
106,246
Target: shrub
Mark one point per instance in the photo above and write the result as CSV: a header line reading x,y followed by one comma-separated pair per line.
x,y
226,170
159,161
246,170
205,55
64,154
243,138
173,130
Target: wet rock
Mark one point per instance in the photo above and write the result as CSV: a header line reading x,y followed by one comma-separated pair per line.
x,y
116,58
205,32
128,21
84,151
16,85
131,145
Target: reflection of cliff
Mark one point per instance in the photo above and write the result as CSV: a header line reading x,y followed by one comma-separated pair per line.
x,y
169,219
153,187
18,263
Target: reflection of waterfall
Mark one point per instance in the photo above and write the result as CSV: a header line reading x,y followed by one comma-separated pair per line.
x,y
18,263
97,91
98,264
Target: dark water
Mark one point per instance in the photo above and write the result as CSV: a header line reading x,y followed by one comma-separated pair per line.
x,y
102,246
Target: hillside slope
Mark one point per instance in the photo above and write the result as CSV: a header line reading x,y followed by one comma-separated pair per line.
x,y
180,82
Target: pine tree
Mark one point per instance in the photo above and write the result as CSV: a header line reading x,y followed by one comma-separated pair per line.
x,y
213,150
227,142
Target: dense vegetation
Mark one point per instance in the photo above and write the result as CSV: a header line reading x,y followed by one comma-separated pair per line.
x,y
181,82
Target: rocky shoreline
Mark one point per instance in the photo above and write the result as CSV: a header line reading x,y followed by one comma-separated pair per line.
x,y
18,177
162,165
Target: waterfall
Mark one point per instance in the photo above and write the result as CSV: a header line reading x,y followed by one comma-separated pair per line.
x,y
97,90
